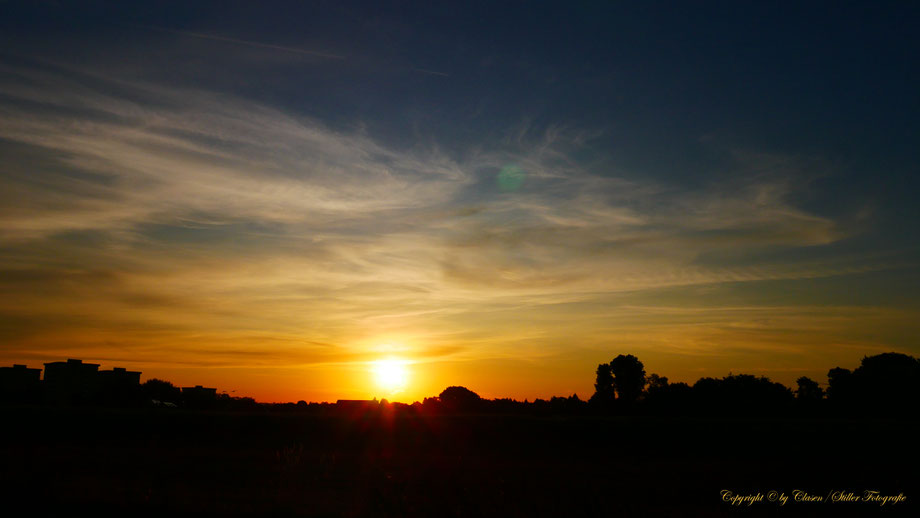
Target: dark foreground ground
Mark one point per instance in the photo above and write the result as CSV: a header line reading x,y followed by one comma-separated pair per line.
x,y
165,463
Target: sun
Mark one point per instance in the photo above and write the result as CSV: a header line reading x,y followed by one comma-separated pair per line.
x,y
391,375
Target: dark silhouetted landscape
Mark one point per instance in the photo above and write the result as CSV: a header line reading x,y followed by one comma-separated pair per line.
x,y
468,258
83,441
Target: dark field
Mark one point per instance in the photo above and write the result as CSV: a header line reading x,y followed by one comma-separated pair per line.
x,y
92,461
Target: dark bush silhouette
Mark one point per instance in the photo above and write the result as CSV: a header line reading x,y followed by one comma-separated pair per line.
x,y
228,402
162,391
460,399
661,396
741,394
566,405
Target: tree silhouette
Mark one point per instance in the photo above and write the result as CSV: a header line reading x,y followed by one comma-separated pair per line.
x,y
603,385
890,379
840,385
662,396
741,394
656,383
460,399
808,390
566,405
628,377
161,390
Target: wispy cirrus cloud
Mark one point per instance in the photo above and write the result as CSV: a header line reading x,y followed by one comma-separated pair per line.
x,y
169,154
191,216
257,44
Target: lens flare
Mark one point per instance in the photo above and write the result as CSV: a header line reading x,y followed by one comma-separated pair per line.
x,y
510,178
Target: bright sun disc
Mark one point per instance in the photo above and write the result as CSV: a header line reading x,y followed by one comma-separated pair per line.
x,y
391,375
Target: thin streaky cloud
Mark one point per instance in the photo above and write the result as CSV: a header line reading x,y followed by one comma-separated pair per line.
x,y
320,54
430,72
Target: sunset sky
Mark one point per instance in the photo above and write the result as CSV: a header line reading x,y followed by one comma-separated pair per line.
x,y
268,198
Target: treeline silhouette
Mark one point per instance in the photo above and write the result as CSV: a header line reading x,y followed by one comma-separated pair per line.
x,y
886,384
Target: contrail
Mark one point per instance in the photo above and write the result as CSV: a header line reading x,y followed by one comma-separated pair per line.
x,y
326,55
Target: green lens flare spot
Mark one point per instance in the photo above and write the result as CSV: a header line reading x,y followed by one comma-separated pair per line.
x,y
510,178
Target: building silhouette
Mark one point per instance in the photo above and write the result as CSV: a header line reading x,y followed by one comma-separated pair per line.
x,y
119,386
199,397
19,383
71,382
119,377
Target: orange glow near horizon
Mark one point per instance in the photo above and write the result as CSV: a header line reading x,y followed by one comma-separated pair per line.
x,y
495,359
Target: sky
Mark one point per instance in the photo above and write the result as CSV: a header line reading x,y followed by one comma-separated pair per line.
x,y
271,198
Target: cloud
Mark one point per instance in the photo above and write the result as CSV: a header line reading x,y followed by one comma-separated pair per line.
x,y
193,217
173,154
257,44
